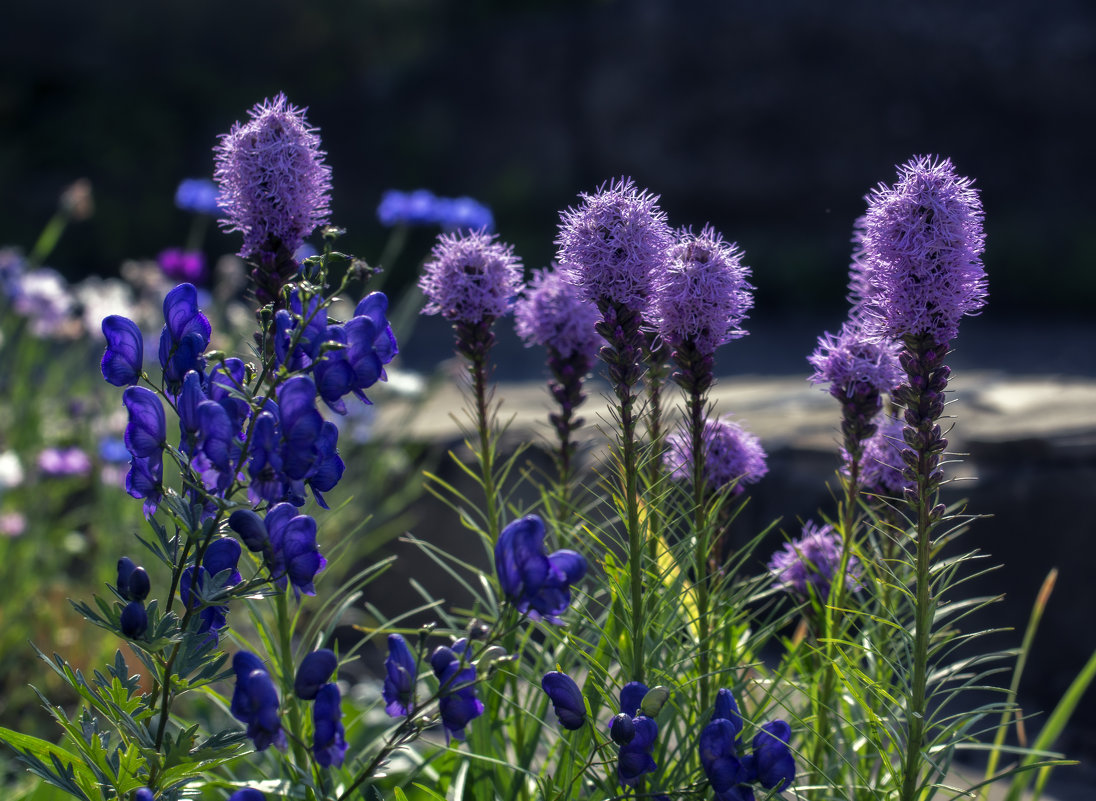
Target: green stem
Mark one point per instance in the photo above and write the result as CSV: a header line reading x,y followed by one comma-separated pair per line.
x,y
635,535
486,445
697,403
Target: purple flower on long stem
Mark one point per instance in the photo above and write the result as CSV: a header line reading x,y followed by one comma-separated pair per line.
x,y
731,454
470,277
329,736
255,702
458,702
553,315
538,584
807,565
922,248
401,672
882,470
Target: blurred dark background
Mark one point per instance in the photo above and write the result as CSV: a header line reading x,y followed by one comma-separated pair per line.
x,y
770,120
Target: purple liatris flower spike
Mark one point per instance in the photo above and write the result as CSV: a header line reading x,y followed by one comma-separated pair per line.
x,y
703,293
853,358
613,244
314,672
255,702
922,248
328,735
566,698
807,566
399,682
731,454
457,701
182,265
125,353
882,470
554,315
274,184
470,278
537,583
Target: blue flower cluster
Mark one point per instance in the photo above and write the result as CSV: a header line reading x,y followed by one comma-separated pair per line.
x,y
730,772
218,563
287,542
423,207
255,702
539,584
458,703
342,359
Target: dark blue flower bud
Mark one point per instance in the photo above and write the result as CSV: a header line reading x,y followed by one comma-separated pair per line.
x,y
631,697
251,529
255,702
146,431
138,585
621,729
718,756
126,566
121,364
143,794
314,673
566,698
727,708
134,620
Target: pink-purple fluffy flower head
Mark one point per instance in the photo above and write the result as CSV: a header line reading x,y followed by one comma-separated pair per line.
x,y
922,247
470,277
554,315
614,243
731,454
275,187
852,358
810,563
703,293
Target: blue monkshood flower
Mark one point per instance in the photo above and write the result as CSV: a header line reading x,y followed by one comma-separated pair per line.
x,y
774,762
329,736
247,794
400,675
184,337
275,187
125,353
537,583
222,555
314,672
255,702
622,728
719,756
143,794
134,620
727,709
199,195
299,349
631,697
294,555
458,702
133,583
145,436
635,758
218,448
566,699
369,344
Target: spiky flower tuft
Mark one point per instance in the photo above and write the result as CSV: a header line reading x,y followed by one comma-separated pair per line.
x,y
922,248
470,277
851,358
613,244
553,315
881,466
703,293
731,453
275,187
811,562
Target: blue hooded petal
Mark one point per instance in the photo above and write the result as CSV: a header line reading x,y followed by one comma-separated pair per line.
x,y
125,353
631,697
718,756
566,698
399,683
147,430
251,529
773,758
314,672
520,561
